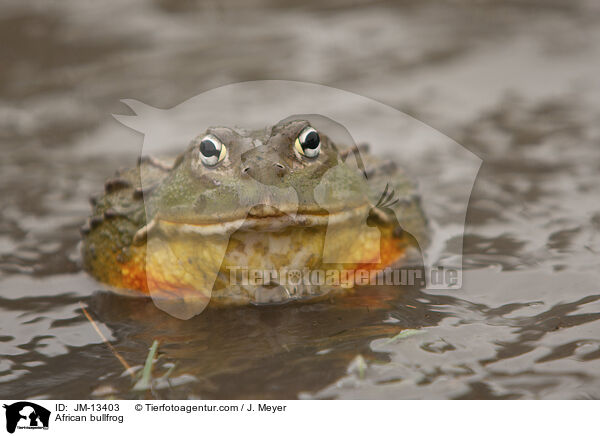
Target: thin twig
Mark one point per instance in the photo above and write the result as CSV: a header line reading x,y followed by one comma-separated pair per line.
x,y
128,368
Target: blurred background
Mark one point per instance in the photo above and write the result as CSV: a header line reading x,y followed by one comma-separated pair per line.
x,y
515,82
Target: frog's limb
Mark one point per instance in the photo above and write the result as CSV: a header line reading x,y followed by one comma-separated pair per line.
x,y
387,197
380,214
142,234
235,294
395,200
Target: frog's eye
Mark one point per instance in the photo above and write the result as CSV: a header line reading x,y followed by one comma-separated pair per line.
x,y
308,143
212,151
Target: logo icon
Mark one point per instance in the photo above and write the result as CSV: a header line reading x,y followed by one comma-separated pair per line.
x,y
26,415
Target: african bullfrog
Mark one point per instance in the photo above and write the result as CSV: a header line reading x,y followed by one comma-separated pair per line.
x,y
282,198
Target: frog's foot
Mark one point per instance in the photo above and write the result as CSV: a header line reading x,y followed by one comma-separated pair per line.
x,y
387,198
279,294
272,294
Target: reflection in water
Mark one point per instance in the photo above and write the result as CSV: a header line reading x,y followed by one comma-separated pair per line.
x,y
269,352
515,85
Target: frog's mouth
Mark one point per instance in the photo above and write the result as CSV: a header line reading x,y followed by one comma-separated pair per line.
x,y
265,218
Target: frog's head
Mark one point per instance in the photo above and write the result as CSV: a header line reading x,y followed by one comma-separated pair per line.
x,y
290,174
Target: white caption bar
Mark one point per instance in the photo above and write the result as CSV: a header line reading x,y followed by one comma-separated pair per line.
x,y
145,417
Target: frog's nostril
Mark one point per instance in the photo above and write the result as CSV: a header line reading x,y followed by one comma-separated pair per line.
x,y
279,169
246,170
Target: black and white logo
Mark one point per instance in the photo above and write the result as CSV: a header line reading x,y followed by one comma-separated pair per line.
x,y
26,415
